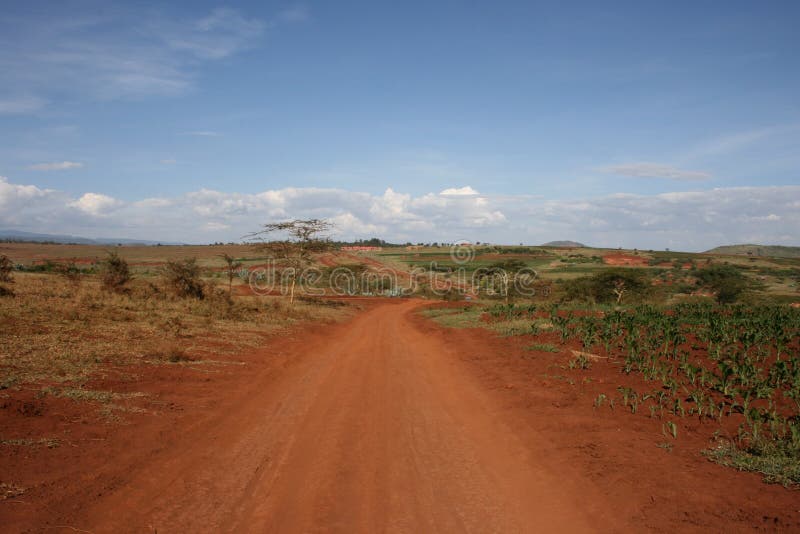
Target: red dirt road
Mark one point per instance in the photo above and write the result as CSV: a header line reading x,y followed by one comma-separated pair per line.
x,y
385,423
379,430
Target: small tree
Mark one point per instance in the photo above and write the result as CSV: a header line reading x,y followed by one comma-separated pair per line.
x,y
6,267
116,273
231,266
506,273
184,278
304,238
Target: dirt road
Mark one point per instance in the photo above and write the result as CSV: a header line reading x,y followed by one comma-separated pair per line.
x,y
377,429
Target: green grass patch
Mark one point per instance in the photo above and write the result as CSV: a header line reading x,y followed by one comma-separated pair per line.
x,y
455,317
779,464
543,347
470,317
513,327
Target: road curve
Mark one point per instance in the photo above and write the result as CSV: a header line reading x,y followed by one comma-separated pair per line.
x,y
380,428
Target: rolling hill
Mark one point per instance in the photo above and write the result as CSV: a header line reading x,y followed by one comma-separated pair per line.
x,y
774,251
564,244
32,237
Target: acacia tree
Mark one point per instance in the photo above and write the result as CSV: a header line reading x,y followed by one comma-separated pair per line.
x,y
231,266
303,238
611,285
506,274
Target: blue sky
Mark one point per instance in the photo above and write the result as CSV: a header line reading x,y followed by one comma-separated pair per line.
x,y
640,124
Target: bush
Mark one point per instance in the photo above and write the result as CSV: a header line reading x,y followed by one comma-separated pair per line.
x,y
725,280
6,266
116,273
183,277
70,271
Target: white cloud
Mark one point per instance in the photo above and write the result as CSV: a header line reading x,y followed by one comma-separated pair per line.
x,y
654,170
153,203
688,220
459,191
168,161
95,204
121,54
212,226
18,194
349,224
28,204
56,166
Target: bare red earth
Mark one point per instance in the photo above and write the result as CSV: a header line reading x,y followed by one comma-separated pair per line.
x,y
384,423
625,259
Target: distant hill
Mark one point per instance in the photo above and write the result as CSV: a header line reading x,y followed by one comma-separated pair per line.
x,y
564,244
18,235
774,251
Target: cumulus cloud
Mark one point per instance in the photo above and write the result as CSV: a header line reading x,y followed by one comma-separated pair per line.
x,y
24,205
95,204
56,166
687,220
655,170
16,195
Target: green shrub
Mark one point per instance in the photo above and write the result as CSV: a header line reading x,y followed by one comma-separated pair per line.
x,y
116,273
727,282
183,277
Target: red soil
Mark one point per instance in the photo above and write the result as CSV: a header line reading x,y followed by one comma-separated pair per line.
x,y
625,259
386,422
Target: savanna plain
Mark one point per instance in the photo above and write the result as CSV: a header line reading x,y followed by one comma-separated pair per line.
x,y
517,389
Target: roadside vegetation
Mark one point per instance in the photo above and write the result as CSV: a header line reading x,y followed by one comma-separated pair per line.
x,y
735,367
714,339
66,327
714,342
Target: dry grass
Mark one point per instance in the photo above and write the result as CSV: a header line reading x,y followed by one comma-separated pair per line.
x,y
9,490
50,443
59,333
